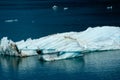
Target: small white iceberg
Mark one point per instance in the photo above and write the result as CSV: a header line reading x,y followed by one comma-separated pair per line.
x,y
109,7
55,7
65,8
11,20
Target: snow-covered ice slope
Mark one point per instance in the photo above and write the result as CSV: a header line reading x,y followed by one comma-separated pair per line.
x,y
92,39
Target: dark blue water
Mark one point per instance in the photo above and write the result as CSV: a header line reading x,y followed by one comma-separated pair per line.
x,y
37,18
93,66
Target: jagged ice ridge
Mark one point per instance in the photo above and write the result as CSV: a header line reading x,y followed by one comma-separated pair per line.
x,y
92,39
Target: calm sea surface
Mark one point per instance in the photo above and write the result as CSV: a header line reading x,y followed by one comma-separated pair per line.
x,y
93,66
18,24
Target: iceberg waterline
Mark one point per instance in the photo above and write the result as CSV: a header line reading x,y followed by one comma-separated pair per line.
x,y
92,39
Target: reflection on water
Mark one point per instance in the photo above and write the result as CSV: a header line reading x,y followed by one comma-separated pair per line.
x,y
103,61
68,66
7,62
97,66
30,63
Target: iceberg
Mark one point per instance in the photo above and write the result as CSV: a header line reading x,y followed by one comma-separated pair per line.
x,y
64,45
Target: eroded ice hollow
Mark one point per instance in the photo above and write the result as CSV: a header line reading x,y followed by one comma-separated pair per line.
x,y
64,45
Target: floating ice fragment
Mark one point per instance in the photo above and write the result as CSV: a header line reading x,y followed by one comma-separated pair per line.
x,y
55,7
11,20
109,7
65,8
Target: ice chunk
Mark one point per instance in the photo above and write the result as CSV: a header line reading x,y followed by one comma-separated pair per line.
x,y
66,45
65,8
109,7
11,20
55,7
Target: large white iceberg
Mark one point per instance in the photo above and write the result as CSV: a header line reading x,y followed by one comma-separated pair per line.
x,y
69,44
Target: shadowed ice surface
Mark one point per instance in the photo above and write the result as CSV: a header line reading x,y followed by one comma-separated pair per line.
x,y
93,66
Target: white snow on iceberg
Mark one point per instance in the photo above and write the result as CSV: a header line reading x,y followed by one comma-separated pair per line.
x,y
66,45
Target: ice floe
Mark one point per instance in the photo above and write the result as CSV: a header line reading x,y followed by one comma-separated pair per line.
x,y
64,45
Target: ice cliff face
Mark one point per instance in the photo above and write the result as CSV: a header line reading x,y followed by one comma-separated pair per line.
x,y
92,39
